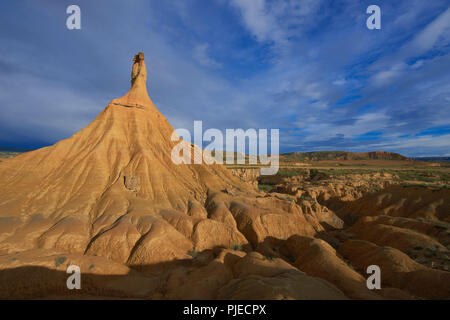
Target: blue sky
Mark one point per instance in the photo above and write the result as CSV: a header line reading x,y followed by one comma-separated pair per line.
x,y
308,67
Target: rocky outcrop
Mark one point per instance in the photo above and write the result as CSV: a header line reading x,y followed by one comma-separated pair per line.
x,y
247,175
317,258
111,192
404,201
110,200
397,237
398,270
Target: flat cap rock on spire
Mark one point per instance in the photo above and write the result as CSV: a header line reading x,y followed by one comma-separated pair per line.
x,y
138,95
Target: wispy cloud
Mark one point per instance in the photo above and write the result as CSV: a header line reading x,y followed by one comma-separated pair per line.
x,y
257,18
201,55
277,21
309,67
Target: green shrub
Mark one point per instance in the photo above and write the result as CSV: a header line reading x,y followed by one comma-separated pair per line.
x,y
59,261
265,187
305,198
193,253
286,173
237,247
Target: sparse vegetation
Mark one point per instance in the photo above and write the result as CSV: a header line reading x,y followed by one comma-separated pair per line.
x,y
265,187
306,198
8,154
59,261
237,247
287,173
193,253
271,259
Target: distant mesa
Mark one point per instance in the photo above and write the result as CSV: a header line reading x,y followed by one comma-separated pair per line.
x,y
346,155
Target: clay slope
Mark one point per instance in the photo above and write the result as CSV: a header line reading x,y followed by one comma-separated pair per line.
x,y
110,200
119,165
403,201
123,156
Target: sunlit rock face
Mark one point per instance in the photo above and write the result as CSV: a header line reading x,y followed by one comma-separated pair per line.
x,y
110,200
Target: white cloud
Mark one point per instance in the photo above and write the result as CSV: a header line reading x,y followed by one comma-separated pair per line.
x,y
319,129
435,34
386,76
340,82
201,56
276,21
418,64
419,145
186,83
437,30
47,110
258,20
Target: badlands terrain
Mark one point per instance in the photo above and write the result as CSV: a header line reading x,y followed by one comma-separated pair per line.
x,y
110,200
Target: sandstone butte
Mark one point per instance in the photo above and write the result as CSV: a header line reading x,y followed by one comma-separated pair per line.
x,y
110,200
